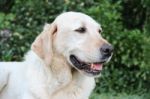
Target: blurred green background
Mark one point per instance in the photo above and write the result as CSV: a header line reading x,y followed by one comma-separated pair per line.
x,y
126,24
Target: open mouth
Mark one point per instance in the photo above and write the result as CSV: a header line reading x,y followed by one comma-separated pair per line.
x,y
90,68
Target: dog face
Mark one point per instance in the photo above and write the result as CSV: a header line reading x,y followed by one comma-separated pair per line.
x,y
78,38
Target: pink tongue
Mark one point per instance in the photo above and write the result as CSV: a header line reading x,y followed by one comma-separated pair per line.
x,y
97,66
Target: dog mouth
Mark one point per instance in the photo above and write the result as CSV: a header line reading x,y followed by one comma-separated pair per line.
x,y
91,68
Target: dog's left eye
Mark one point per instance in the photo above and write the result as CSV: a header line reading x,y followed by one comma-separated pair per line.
x,y
81,30
100,31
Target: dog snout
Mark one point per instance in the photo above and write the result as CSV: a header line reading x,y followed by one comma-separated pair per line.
x,y
106,50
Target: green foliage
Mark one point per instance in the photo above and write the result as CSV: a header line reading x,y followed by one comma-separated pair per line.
x,y
119,96
128,70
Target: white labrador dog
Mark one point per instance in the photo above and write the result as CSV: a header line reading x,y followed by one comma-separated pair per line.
x,y
62,63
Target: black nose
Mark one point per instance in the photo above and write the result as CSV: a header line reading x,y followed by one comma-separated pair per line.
x,y
106,50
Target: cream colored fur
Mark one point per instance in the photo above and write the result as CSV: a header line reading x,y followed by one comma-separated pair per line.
x,y
46,72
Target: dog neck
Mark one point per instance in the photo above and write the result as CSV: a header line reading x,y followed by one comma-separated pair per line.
x,y
60,72
60,69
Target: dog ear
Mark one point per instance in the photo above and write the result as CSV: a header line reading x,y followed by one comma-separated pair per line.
x,y
42,45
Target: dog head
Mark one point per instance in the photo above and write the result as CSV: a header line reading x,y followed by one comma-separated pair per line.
x,y
77,37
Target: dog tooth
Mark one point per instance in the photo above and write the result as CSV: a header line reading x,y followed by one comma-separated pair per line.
x,y
92,65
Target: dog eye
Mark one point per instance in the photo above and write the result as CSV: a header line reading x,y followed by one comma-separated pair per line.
x,y
100,31
81,30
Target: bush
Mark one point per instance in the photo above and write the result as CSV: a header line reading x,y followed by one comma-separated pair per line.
x,y
128,70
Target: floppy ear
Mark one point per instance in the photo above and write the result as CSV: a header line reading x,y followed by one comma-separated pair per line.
x,y
42,45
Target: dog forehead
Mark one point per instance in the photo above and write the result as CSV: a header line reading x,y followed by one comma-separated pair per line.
x,y
75,19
